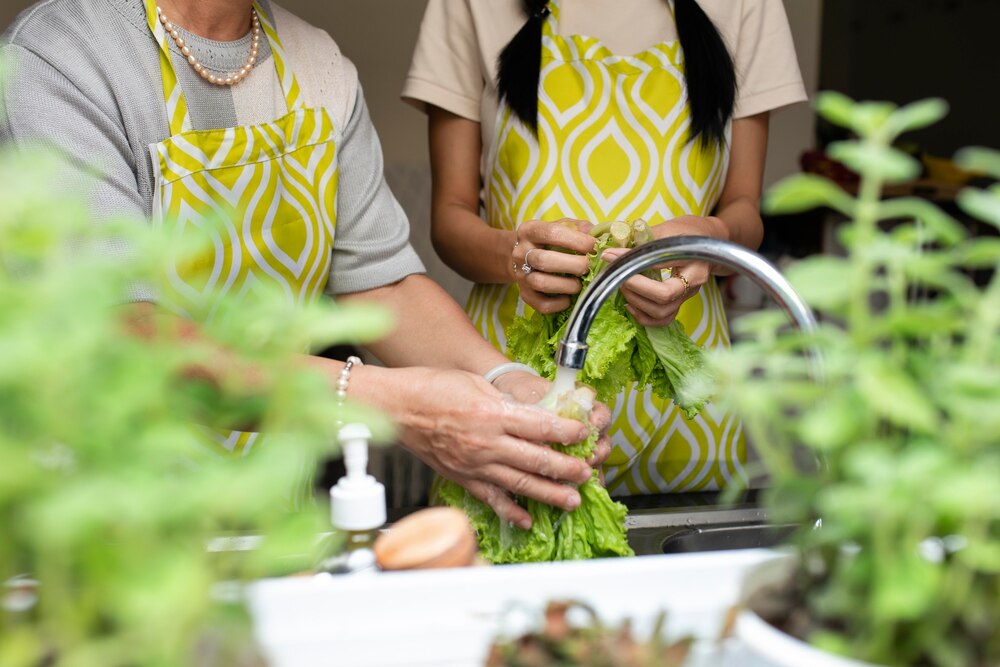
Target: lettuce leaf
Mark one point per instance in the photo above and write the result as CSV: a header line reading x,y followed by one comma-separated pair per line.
x,y
621,351
680,364
596,529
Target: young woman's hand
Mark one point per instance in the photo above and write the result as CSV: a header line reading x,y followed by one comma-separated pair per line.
x,y
654,302
543,271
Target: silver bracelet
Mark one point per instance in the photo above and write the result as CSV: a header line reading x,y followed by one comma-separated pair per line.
x,y
345,376
510,367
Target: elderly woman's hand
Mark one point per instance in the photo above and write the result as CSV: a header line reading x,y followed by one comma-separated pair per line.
x,y
470,432
545,274
654,302
528,388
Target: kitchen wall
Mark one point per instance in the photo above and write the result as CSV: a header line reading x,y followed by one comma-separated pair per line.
x,y
378,35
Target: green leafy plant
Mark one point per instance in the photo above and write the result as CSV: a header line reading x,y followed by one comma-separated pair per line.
x,y
905,426
109,491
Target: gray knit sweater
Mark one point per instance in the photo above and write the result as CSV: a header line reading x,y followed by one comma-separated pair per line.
x,y
86,78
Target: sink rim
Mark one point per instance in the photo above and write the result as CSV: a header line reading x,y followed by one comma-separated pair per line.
x,y
695,517
781,530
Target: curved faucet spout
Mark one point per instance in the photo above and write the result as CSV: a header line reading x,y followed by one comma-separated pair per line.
x,y
572,350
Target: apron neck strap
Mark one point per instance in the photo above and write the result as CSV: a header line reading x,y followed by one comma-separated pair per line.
x,y
289,85
550,25
177,111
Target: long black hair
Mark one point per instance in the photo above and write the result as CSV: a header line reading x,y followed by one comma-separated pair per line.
x,y
709,69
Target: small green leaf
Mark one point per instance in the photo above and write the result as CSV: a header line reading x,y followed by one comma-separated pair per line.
x,y
871,117
831,424
906,588
981,204
978,253
822,281
969,492
982,555
804,192
918,115
941,227
977,159
836,108
920,322
950,651
876,161
895,396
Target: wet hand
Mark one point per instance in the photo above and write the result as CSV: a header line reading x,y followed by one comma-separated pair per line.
x,y
528,388
470,432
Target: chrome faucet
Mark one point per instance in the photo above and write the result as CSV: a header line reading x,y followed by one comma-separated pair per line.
x,y
572,351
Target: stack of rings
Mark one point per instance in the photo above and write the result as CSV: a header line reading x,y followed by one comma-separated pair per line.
x,y
674,273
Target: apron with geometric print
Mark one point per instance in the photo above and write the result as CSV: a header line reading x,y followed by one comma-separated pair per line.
x,y
272,185
612,144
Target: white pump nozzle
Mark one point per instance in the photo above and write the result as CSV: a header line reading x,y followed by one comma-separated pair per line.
x,y
357,502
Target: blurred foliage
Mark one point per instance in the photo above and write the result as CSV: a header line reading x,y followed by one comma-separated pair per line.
x,y
109,491
905,426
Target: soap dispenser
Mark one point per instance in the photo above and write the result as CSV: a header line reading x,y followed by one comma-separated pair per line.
x,y
357,507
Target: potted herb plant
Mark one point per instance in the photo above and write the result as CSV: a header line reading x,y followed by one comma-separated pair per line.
x,y
108,493
905,423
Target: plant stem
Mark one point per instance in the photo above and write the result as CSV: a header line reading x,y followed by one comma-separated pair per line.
x,y
599,230
876,626
897,305
958,584
866,226
984,333
621,232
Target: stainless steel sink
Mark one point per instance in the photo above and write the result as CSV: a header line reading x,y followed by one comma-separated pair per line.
x,y
686,528
721,538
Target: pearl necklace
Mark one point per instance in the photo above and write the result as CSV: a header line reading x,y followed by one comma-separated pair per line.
x,y
224,80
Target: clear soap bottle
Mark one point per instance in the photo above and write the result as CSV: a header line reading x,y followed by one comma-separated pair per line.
x,y
357,508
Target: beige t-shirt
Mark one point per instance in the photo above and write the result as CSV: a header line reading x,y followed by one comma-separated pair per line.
x,y
454,63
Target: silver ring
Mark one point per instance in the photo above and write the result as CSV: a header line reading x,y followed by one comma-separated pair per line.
x,y
526,267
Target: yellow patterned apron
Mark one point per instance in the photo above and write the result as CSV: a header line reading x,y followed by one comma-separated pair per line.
x,y
612,144
274,186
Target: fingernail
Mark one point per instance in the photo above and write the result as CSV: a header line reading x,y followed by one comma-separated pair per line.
x,y
524,524
573,502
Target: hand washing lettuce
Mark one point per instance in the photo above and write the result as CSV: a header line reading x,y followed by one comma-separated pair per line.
x,y
621,350
596,529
